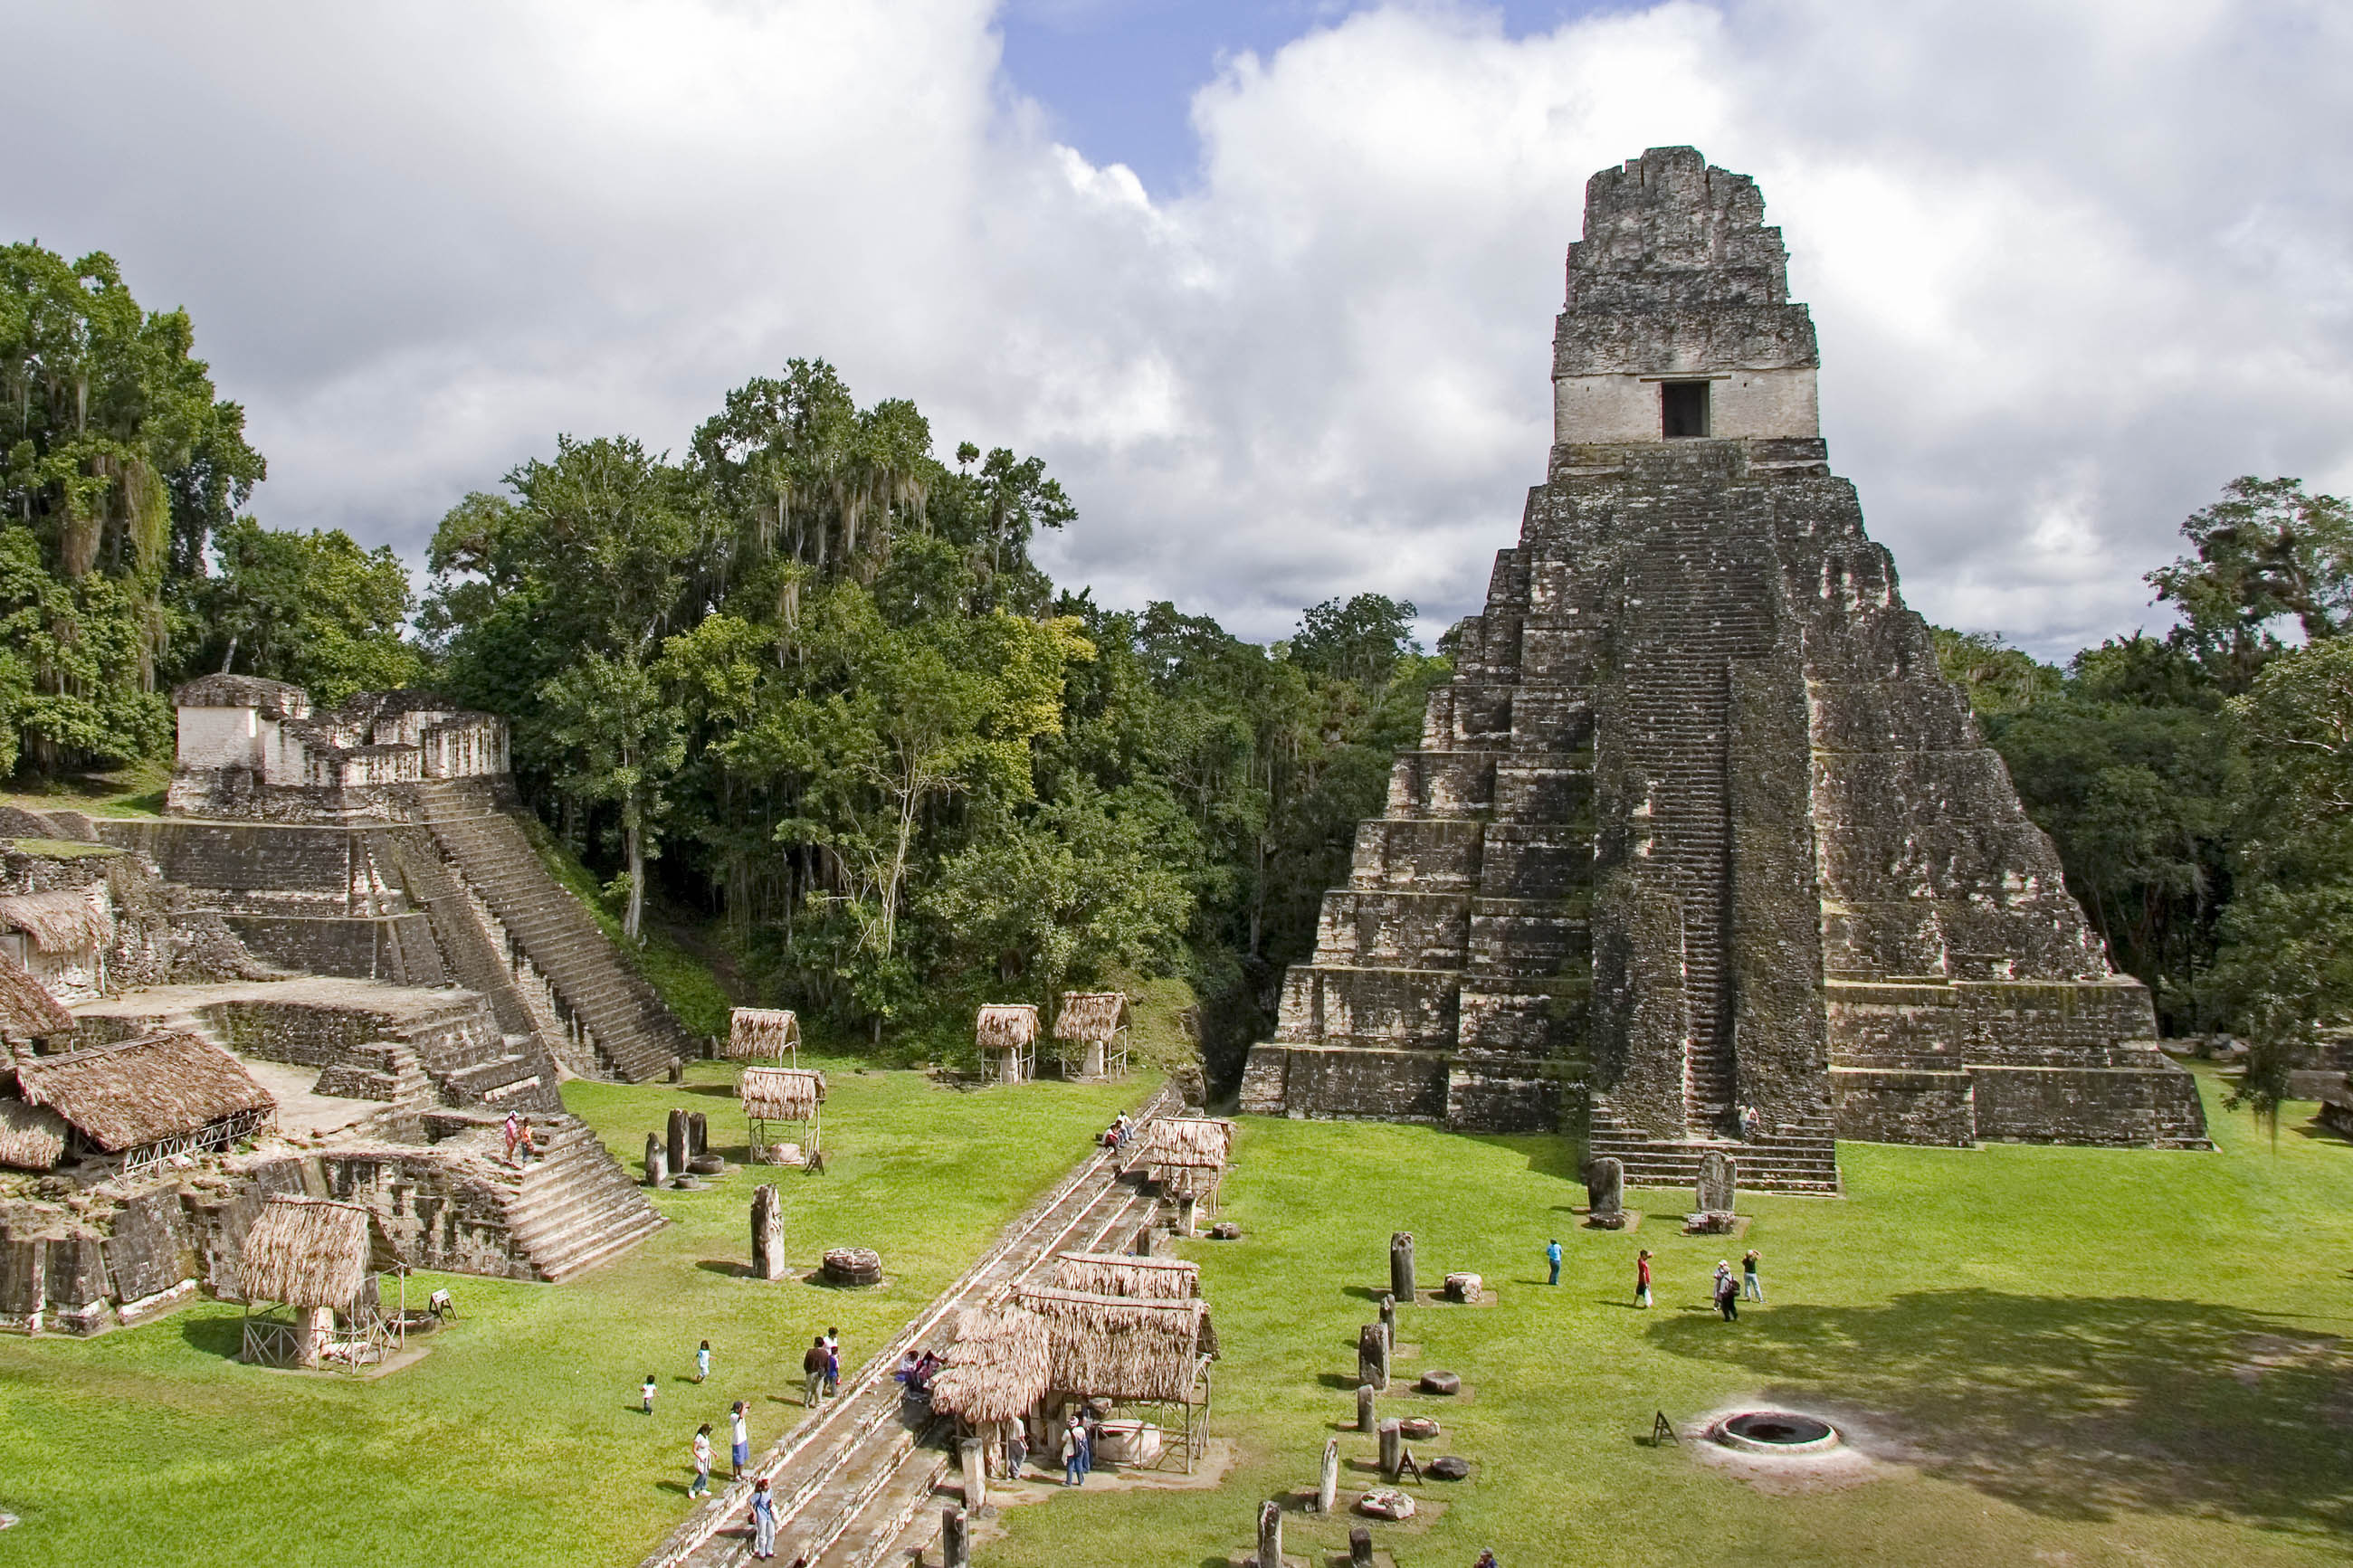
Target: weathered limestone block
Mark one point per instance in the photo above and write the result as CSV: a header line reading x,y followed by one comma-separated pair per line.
x,y
1269,1534
1718,1182
1401,1265
1605,1192
1372,1358
656,1161
767,1234
676,1144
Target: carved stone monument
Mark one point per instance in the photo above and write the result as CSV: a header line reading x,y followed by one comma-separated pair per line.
x,y
767,1234
1605,1193
1401,1265
1719,1178
676,1143
1360,1546
1372,1358
1364,1417
1327,1485
657,1161
1269,1534
1699,825
956,1538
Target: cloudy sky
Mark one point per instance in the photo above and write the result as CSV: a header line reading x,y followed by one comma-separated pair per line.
x,y
1271,285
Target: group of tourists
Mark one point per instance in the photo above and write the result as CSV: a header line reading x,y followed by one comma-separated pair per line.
x,y
916,1373
1116,1135
1078,1436
517,1133
821,1368
1726,1292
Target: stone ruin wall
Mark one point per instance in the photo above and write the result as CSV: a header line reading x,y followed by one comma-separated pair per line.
x,y
85,1262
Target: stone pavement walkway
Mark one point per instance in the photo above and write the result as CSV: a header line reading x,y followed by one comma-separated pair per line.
x,y
853,1479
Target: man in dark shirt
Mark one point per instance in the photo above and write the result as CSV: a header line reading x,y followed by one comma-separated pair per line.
x,y
813,1365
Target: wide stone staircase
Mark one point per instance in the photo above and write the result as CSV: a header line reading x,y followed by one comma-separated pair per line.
x,y
575,1206
634,1034
1800,1157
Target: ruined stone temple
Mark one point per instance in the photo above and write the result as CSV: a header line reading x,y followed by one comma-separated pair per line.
x,y
330,970
1698,825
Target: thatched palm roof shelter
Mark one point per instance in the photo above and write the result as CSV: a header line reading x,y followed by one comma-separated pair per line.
x,y
32,1138
307,1252
1116,1274
1005,1025
1188,1140
1009,1031
764,1035
27,1012
1121,1347
783,1094
998,1367
63,919
156,1096
1098,1021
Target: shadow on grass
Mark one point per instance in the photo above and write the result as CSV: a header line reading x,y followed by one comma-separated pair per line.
x,y
222,1337
722,1265
2080,1408
1558,1155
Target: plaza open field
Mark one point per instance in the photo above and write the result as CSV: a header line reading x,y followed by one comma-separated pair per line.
x,y
518,1440
2070,1356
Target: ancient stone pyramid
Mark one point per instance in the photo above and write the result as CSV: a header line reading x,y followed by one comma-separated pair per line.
x,y
1698,826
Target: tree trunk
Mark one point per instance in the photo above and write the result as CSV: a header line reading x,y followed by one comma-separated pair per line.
x,y
635,917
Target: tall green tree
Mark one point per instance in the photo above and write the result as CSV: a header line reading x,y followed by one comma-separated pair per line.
x,y
120,465
2266,554
311,609
621,740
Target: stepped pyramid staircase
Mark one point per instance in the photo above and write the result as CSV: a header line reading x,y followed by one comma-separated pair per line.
x,y
634,1034
573,1206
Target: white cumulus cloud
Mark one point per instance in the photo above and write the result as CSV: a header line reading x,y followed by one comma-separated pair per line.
x,y
2073,266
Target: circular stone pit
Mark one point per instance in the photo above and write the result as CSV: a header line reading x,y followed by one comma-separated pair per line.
x,y
1775,1431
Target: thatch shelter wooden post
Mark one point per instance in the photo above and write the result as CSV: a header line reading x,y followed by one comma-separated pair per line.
x,y
1119,1273
1094,1023
1187,1157
1009,1031
1134,1352
27,1012
312,1257
781,1099
764,1035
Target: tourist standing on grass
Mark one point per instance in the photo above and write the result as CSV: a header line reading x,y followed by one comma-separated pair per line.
x,y
1552,1256
511,1131
1074,1453
1727,1294
1642,1277
764,1521
1017,1451
701,1487
832,1362
739,1448
702,1361
645,1394
813,1367
1751,1288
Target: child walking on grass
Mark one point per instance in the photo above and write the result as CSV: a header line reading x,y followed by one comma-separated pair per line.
x,y
702,1361
701,1487
645,1394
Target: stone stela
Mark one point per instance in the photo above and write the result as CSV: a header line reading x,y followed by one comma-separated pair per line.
x,y
1700,849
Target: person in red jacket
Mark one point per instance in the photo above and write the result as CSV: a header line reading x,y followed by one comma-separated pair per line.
x,y
1642,1277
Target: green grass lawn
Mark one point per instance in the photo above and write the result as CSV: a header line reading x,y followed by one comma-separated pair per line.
x,y
2095,1357
518,1440
2101,1357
